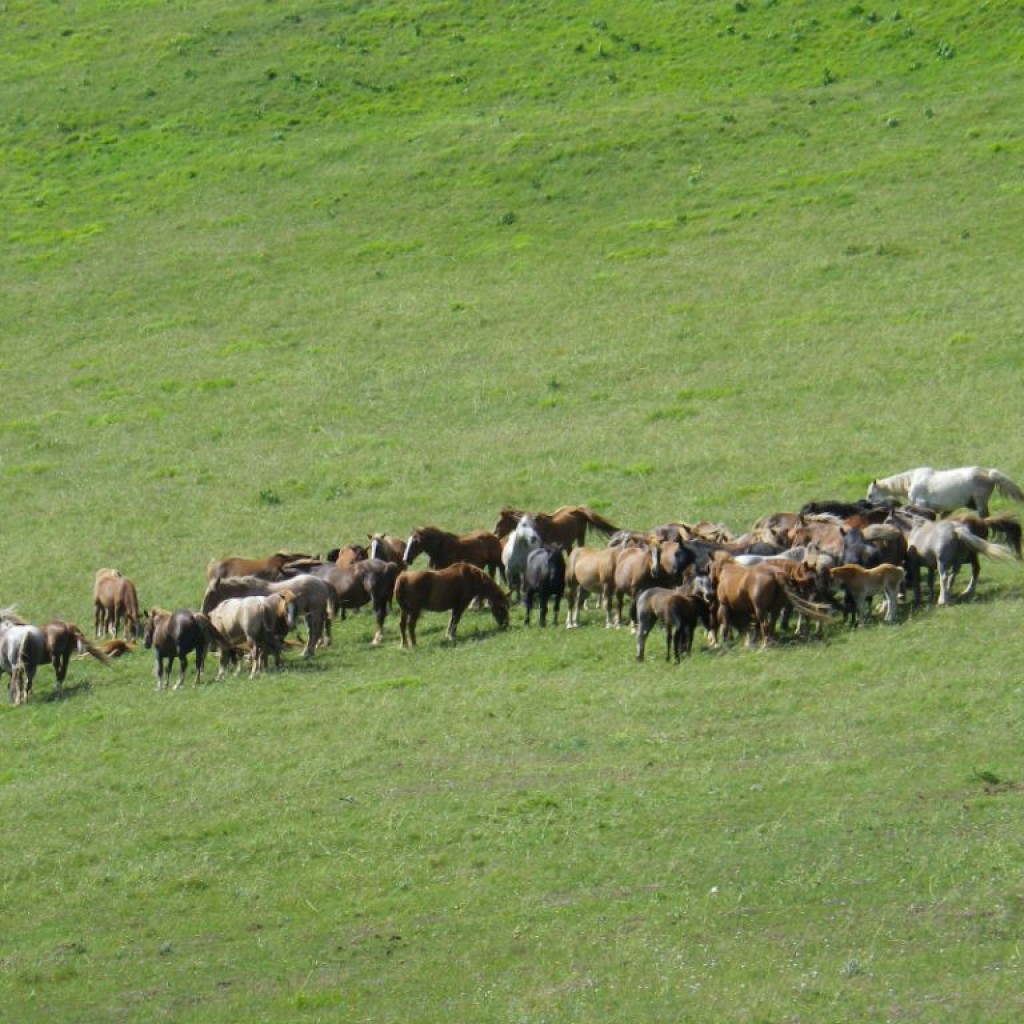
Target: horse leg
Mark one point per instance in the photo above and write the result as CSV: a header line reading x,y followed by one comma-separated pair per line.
x,y
380,611
641,636
527,598
182,668
975,573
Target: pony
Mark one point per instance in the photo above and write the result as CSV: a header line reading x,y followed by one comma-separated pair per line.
x,y
178,634
387,548
62,640
679,610
22,651
862,584
515,550
258,622
544,579
314,600
449,589
115,599
269,568
590,570
945,490
371,581
480,548
942,546
566,525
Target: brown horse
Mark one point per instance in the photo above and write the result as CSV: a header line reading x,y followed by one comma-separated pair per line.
x,y
566,526
450,589
388,548
62,640
636,569
269,568
480,548
745,597
590,571
177,635
115,600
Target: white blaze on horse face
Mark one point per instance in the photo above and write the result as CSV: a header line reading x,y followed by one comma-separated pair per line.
x,y
407,557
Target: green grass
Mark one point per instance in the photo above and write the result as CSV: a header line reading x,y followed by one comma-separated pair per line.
x,y
277,275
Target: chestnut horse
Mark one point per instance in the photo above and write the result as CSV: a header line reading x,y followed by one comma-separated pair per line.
x,y
269,568
450,589
115,599
480,548
566,526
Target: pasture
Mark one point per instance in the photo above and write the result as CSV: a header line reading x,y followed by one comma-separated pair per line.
x,y
278,276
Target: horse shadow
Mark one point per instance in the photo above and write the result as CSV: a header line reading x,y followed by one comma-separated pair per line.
x,y
68,691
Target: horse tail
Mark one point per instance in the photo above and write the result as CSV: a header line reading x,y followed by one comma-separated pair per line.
x,y
1009,529
89,649
398,592
1006,487
597,521
813,610
212,634
994,551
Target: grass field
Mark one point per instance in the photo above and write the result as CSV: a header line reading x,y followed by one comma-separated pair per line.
x,y
277,275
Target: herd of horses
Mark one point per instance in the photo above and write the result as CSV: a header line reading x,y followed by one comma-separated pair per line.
x,y
827,560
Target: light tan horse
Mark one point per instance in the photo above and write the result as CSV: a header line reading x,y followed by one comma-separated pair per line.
x,y
590,571
863,584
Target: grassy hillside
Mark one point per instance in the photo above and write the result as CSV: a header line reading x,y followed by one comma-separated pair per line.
x,y
279,274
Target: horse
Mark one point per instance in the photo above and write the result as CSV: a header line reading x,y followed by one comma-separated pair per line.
x,y
543,579
448,589
480,548
314,600
862,584
387,548
515,550
755,596
371,581
22,651
269,568
566,525
679,610
636,569
945,490
590,570
259,622
62,640
348,555
178,634
942,546
114,599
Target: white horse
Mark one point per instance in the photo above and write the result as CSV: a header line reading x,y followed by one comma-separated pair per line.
x,y
516,549
944,490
